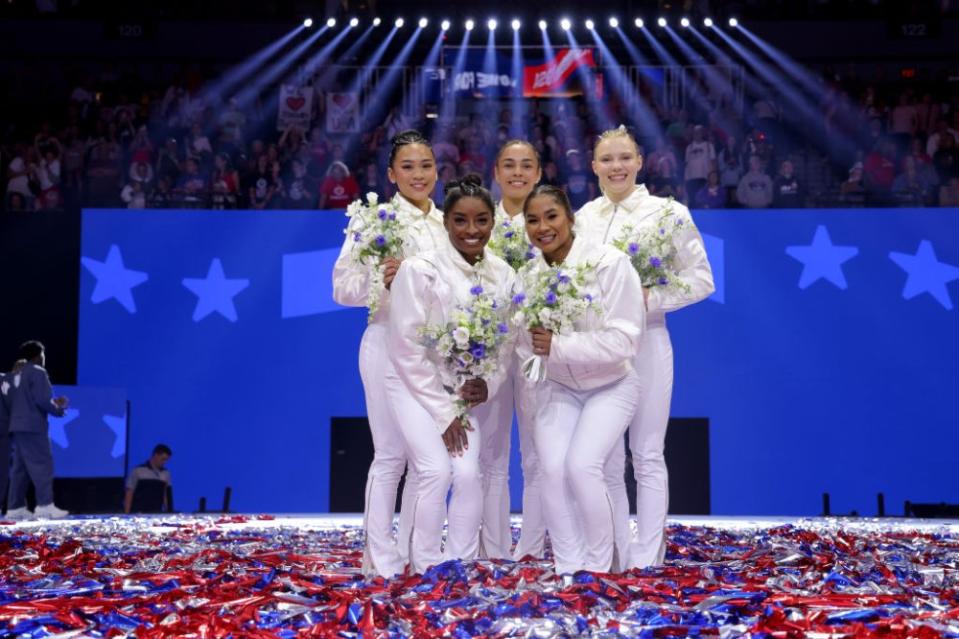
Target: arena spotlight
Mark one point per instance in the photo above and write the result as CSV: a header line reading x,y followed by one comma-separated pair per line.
x,y
399,23
661,22
733,22
469,25
377,22
542,25
492,24
708,22
684,23
423,22
590,25
354,22
515,24
331,22
445,25
614,23
308,23
639,23
566,24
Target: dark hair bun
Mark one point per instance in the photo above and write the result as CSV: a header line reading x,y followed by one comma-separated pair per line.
x,y
468,184
471,179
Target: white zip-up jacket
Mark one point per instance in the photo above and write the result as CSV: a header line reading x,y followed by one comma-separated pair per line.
x,y
602,346
426,291
602,221
351,278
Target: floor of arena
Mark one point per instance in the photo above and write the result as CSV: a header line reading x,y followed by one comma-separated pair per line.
x,y
298,576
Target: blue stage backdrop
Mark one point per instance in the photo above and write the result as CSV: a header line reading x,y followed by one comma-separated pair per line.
x,y
827,360
90,440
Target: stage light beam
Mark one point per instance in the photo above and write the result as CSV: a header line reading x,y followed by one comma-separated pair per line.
x,y
733,22
445,25
684,23
377,22
542,25
354,22
331,22
614,23
423,22
708,23
399,23
469,25
516,24
590,25
639,23
565,24
308,23
661,22
491,24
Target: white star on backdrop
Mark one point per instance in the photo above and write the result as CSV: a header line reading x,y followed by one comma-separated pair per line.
x,y
822,259
114,280
58,433
118,424
926,274
215,293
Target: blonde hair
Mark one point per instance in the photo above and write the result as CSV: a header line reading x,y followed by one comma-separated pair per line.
x,y
619,132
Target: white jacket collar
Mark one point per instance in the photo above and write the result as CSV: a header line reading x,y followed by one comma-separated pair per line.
x,y
458,261
630,204
501,214
402,203
572,258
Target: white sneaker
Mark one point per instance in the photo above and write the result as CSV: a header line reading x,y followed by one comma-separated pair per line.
x,y
19,514
50,511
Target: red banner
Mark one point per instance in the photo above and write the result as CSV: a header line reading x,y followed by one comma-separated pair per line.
x,y
554,77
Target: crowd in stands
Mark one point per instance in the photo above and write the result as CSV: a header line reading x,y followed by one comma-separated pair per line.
x,y
889,145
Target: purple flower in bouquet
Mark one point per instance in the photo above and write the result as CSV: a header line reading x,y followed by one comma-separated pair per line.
x,y
478,351
476,290
519,298
382,214
380,240
633,248
655,262
502,327
663,281
550,298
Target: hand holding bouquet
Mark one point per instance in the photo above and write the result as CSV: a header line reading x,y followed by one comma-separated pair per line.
x,y
377,231
553,301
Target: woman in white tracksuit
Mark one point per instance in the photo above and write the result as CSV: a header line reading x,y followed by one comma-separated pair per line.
x,y
516,171
412,168
616,162
583,407
443,448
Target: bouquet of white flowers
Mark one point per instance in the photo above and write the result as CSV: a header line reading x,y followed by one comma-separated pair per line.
x,y
469,344
377,231
652,250
510,243
553,300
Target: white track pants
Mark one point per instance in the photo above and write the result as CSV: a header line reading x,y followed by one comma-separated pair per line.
x,y
381,555
575,432
647,440
436,473
532,538
496,536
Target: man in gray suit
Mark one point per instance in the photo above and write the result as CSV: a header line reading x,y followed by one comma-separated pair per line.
x,y
31,402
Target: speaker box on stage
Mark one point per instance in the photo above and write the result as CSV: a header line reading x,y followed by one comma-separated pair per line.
x,y
351,453
687,459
